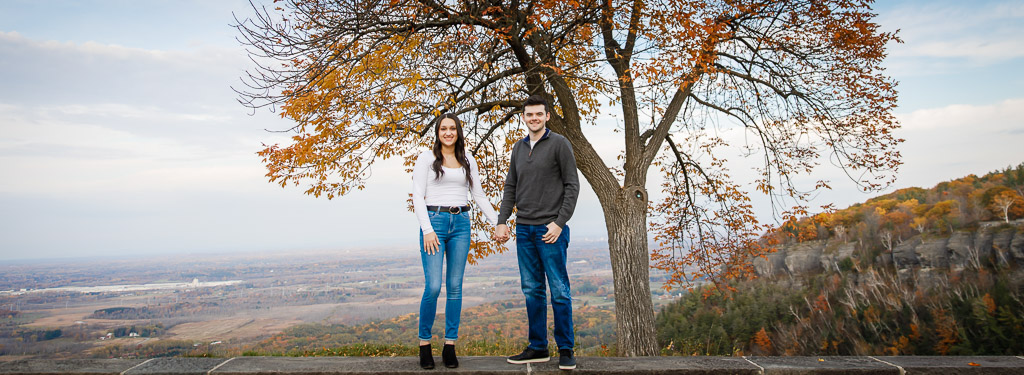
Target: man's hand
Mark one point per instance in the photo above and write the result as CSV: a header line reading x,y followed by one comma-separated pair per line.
x,y
500,233
553,232
430,243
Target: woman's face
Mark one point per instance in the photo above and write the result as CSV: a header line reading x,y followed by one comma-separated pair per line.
x,y
447,132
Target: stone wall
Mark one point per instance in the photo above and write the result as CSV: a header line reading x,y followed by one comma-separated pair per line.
x,y
497,365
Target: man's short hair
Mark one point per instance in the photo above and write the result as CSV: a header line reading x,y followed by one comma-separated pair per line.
x,y
535,100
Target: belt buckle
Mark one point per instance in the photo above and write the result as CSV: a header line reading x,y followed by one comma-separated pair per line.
x,y
457,210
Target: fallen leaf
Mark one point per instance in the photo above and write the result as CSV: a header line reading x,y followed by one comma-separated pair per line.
x,y
973,364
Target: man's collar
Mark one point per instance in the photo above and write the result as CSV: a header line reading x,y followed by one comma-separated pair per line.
x,y
546,132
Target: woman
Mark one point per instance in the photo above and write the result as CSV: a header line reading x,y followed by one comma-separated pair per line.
x,y
442,178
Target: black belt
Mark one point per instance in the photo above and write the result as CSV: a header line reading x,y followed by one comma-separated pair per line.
x,y
449,209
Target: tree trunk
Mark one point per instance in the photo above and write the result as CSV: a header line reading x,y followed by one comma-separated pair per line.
x,y
626,220
625,216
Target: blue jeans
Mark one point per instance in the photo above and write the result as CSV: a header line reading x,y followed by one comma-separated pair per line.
x,y
537,261
453,234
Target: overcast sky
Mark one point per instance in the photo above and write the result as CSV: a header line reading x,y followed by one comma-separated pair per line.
x,y
120,135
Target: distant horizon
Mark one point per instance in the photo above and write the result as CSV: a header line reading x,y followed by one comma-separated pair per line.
x,y
361,252
358,250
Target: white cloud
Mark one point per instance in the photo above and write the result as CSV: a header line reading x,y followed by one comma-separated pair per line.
x,y
946,143
979,49
981,33
1002,116
202,56
91,48
90,74
90,117
956,140
942,143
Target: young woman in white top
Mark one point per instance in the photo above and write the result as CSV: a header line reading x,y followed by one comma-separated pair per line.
x,y
442,181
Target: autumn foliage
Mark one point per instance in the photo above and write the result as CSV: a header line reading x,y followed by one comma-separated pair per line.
x,y
867,313
892,218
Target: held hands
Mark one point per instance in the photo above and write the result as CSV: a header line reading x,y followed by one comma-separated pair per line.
x,y
430,243
553,232
500,233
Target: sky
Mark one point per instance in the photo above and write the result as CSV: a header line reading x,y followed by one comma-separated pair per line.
x,y
120,134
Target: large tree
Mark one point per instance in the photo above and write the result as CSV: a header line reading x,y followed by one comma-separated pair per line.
x,y
365,80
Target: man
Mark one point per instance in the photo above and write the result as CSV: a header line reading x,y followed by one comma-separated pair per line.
x,y
542,185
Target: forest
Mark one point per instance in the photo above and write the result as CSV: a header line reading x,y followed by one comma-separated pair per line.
x,y
867,306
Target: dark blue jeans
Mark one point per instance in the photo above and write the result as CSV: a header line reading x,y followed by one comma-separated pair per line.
x,y
453,234
539,261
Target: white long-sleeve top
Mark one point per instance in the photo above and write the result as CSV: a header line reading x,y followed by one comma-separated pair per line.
x,y
449,190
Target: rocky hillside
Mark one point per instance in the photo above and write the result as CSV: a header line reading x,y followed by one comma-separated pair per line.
x,y
993,240
916,272
945,228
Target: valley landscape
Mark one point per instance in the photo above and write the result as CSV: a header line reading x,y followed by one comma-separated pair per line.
x,y
93,308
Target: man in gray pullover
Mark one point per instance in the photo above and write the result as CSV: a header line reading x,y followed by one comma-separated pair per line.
x,y
542,185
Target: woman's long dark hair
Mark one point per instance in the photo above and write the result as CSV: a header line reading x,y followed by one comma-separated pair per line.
x,y
460,148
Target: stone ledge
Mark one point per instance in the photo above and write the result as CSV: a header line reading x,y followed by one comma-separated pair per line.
x,y
986,365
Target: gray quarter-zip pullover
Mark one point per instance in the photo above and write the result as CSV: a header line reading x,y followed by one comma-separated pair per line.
x,y
542,183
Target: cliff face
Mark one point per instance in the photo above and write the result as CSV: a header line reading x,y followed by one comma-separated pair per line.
x,y
993,240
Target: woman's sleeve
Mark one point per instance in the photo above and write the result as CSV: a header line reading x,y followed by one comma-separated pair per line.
x,y
419,191
478,194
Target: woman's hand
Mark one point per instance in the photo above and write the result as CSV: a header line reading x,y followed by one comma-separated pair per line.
x,y
430,243
500,233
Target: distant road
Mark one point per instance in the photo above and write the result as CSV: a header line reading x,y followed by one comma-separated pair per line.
x,y
123,288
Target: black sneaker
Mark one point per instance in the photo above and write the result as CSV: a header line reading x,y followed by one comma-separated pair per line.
x,y
566,360
530,356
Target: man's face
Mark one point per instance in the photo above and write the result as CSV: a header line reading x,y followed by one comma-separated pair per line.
x,y
535,117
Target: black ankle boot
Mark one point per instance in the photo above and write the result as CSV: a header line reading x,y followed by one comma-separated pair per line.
x,y
448,356
426,357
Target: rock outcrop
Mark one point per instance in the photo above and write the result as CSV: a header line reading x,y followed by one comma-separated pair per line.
x,y
993,241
